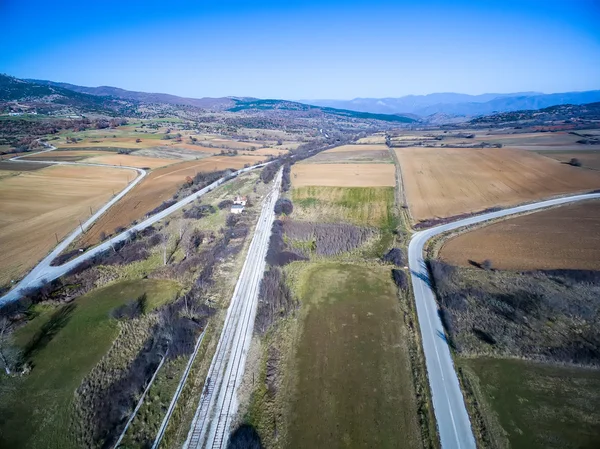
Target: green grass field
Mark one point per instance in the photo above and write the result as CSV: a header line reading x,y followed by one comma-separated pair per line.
x,y
365,206
64,343
353,386
532,405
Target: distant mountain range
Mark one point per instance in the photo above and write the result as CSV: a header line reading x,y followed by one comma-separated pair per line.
x,y
460,104
144,97
49,96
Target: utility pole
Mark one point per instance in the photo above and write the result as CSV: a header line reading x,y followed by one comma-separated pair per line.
x,y
56,235
81,227
91,213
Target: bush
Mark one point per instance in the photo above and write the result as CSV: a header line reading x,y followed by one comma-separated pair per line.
x,y
286,182
163,206
225,204
395,256
199,211
575,162
326,239
245,437
274,300
284,206
268,173
132,309
400,279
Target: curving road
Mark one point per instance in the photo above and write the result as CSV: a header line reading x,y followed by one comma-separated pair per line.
x,y
45,272
218,402
449,407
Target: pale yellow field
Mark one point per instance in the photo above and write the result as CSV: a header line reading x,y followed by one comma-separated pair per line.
x,y
132,161
443,182
374,139
37,204
344,148
344,175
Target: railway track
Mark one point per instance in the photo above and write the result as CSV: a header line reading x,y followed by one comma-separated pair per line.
x,y
218,401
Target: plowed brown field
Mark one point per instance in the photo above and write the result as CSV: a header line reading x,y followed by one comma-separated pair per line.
x,y
37,204
344,175
564,237
442,182
158,186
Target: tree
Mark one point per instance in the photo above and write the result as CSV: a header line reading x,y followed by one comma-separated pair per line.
x,y
575,162
284,206
486,264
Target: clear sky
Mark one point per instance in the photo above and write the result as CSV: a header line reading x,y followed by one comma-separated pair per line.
x,y
306,50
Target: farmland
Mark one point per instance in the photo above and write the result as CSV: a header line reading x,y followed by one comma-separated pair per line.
x,y
351,314
357,147
36,205
588,159
37,409
157,187
528,346
345,354
132,160
563,237
362,206
535,405
451,181
63,156
343,175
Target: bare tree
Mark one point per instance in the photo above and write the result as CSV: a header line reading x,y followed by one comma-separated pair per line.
x,y
165,246
183,226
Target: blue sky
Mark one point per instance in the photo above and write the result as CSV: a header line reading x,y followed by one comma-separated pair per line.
x,y
306,50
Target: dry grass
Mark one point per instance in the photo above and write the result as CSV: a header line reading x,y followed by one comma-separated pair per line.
x,y
158,186
132,161
564,237
344,175
451,181
37,204
345,148
374,139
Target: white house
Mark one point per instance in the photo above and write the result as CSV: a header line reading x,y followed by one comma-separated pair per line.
x,y
238,204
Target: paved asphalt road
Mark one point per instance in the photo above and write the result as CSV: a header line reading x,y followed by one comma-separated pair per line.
x,y
45,272
450,411
218,401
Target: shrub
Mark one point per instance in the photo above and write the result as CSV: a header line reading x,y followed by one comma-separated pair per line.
x,y
225,204
274,300
400,279
132,309
199,211
268,173
163,206
284,206
395,256
575,162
